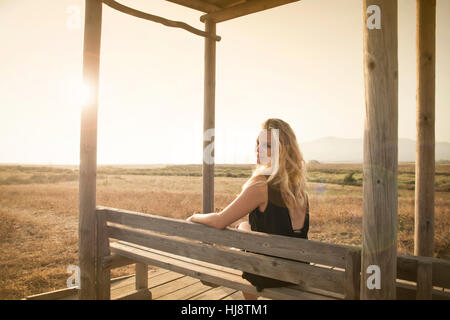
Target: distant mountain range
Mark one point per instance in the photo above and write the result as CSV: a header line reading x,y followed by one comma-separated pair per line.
x,y
333,149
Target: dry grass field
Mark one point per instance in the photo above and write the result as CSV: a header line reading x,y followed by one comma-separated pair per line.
x,y
39,212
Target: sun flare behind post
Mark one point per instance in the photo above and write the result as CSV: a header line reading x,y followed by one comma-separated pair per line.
x,y
77,93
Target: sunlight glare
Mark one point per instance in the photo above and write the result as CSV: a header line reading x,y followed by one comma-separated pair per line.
x,y
77,93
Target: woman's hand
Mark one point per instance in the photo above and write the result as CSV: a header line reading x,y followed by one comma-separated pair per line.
x,y
190,219
210,219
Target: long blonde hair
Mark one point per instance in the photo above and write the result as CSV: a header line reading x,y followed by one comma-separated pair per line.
x,y
290,178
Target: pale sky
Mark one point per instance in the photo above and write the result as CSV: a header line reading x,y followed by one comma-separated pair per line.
x,y
302,62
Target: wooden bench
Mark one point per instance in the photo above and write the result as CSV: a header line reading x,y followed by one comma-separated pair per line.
x,y
217,257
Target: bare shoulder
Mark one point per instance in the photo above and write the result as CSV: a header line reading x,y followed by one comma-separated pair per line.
x,y
259,181
257,188
259,178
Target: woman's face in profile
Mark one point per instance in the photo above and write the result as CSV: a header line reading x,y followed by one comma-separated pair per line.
x,y
263,148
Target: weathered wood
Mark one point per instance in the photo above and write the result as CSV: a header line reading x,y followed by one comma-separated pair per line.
x,y
424,280
380,151
248,7
299,273
116,261
280,246
163,255
209,120
54,295
159,279
425,122
175,285
407,269
211,275
352,275
142,294
215,294
88,151
407,291
197,5
103,276
187,292
169,23
141,276
271,244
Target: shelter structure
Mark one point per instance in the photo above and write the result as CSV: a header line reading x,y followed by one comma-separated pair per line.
x,y
380,166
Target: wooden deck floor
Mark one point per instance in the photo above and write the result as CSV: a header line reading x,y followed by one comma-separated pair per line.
x,y
168,285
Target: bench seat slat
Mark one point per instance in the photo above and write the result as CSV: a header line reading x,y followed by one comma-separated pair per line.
x,y
273,267
259,242
230,280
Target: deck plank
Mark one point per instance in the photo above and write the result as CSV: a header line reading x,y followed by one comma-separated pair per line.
x,y
215,294
186,292
169,285
235,296
172,286
129,285
115,284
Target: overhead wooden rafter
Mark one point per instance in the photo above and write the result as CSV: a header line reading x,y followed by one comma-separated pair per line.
x,y
197,5
208,6
242,9
147,16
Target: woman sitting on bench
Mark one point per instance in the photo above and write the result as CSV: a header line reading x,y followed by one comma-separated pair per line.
x,y
275,196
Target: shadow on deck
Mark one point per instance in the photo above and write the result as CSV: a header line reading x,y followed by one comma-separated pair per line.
x,y
163,285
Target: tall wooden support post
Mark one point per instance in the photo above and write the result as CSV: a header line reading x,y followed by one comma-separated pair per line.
x,y
103,276
379,249
209,119
88,152
425,121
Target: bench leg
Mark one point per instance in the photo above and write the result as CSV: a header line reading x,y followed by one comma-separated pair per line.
x,y
104,284
103,275
141,276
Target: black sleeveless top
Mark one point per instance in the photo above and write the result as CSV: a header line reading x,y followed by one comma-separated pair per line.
x,y
274,220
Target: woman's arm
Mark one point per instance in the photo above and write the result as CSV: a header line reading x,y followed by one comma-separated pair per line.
x,y
245,202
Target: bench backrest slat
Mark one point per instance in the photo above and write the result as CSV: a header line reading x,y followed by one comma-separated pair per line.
x,y
282,269
340,256
407,269
280,246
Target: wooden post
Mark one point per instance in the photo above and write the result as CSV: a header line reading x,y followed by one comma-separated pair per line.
x,y
141,276
425,121
379,249
424,280
103,277
352,275
209,119
88,151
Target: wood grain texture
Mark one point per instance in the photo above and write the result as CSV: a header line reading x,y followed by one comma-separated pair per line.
x,y
407,269
425,122
291,271
245,8
116,261
424,281
223,278
281,246
353,275
197,5
380,165
141,276
103,276
209,119
88,151
142,294
150,17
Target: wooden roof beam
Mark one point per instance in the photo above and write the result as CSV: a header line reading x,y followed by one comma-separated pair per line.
x,y
197,5
251,6
147,16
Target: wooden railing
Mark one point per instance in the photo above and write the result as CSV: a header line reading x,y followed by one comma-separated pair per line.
x,y
332,267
